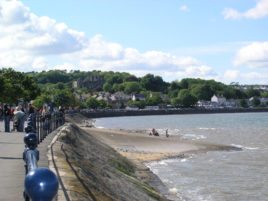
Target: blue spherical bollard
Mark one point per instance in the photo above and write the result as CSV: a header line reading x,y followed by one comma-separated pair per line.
x,y
30,139
41,184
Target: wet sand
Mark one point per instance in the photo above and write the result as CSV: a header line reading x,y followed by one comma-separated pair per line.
x,y
140,146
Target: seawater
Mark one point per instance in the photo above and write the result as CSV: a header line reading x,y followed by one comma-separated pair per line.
x,y
216,175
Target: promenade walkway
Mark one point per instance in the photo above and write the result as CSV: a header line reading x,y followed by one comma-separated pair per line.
x,y
12,171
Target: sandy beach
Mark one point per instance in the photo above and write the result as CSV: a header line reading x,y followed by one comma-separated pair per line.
x,y
139,146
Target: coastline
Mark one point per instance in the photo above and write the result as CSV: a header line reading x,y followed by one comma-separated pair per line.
x,y
121,112
139,146
99,154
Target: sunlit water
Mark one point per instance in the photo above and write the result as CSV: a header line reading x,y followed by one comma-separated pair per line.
x,y
217,175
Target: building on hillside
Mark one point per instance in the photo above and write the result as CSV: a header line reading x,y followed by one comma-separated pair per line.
x,y
75,84
264,101
220,100
92,82
119,100
138,97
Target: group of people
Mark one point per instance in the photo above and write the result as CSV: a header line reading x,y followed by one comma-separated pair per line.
x,y
155,133
17,115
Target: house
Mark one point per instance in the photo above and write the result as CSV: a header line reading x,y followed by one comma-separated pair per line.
x,y
119,99
264,101
220,100
138,97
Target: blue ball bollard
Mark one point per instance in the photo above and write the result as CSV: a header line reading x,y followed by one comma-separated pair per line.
x,y
30,140
41,184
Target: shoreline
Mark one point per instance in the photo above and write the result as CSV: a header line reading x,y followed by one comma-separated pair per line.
x,y
118,113
139,146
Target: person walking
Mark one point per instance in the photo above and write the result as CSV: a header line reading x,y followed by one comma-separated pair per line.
x,y
7,116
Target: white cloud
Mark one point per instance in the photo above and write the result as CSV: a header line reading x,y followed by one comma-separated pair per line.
x,y
184,8
231,75
28,42
39,63
23,30
253,55
259,11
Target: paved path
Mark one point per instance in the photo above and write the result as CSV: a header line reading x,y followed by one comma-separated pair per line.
x,y
12,171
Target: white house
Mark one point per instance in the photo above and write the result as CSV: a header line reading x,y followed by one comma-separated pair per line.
x,y
220,100
138,97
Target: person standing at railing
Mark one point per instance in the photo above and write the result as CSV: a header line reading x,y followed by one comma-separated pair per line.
x,y
7,116
19,119
32,111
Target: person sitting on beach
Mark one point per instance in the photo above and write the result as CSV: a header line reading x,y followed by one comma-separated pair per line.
x,y
154,132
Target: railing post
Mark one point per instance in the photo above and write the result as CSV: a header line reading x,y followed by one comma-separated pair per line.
x,y
41,184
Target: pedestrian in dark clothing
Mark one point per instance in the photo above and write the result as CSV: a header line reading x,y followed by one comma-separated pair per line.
x,y
7,115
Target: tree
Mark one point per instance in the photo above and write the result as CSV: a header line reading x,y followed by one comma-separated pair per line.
x,y
186,98
63,98
92,103
202,92
256,102
132,87
107,87
243,103
153,83
264,95
154,100
139,104
252,92
17,85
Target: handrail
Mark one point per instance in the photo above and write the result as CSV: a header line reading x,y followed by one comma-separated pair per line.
x,y
41,184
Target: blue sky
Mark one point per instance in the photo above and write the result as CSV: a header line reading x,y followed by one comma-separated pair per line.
x,y
224,40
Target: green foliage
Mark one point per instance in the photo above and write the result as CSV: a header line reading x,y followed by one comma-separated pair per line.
x,y
243,103
107,87
63,97
202,92
153,83
174,86
252,92
139,104
92,103
264,94
132,87
53,76
256,102
185,98
155,99
16,85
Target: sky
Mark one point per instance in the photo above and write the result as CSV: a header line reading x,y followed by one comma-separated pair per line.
x,y
225,40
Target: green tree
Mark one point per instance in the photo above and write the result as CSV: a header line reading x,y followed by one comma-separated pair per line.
x,y
264,94
154,100
139,104
17,85
63,98
202,92
132,87
256,102
107,87
252,92
153,83
92,103
243,103
186,98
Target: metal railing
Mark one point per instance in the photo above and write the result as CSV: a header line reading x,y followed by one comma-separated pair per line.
x,y
40,184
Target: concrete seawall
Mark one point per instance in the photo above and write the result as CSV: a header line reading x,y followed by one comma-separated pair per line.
x,y
90,170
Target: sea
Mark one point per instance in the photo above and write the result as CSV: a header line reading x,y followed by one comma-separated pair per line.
x,y
216,175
